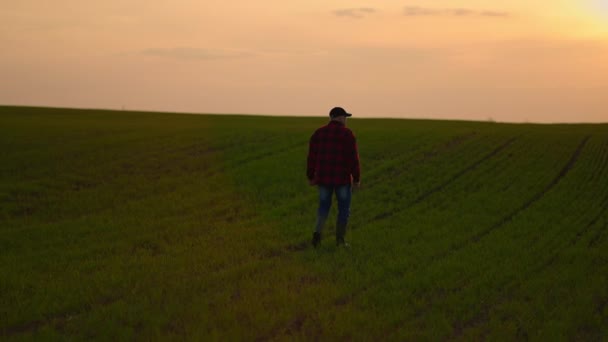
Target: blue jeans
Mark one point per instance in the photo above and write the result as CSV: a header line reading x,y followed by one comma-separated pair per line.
x,y
343,194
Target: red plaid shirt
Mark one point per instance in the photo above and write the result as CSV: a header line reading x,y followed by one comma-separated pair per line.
x,y
333,158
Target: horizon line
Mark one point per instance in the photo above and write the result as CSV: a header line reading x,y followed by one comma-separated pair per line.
x,y
489,120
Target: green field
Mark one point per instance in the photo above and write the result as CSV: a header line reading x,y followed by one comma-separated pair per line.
x,y
122,225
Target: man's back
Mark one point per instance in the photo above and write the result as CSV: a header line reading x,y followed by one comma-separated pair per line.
x,y
333,158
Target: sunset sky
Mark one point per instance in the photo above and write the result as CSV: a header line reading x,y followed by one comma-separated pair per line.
x,y
512,60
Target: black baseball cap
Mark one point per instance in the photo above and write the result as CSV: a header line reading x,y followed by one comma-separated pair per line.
x,y
338,111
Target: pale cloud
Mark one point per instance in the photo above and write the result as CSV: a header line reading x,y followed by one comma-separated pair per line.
x,y
461,12
192,53
417,11
495,14
356,13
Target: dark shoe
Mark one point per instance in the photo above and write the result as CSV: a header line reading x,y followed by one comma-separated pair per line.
x,y
316,239
340,232
341,242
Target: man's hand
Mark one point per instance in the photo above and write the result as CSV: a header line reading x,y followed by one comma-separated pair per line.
x,y
312,182
357,185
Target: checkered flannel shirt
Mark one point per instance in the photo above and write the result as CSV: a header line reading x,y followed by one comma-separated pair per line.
x,y
333,158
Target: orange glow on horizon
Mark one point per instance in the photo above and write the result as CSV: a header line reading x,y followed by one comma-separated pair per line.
x,y
512,61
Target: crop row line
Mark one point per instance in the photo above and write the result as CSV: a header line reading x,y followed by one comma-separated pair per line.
x,y
598,170
477,237
345,300
603,206
266,154
547,263
240,162
604,148
509,217
423,156
594,240
449,181
484,313
348,298
601,160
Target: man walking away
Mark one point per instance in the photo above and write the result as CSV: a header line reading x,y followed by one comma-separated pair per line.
x,y
333,166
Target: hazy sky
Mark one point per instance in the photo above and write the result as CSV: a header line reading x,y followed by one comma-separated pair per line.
x,y
511,60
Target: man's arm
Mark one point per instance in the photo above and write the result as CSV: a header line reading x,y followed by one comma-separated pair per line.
x,y
312,158
356,167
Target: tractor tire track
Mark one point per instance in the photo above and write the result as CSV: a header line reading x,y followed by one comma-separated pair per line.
x,y
603,161
598,235
576,238
342,301
422,157
484,313
509,217
345,300
475,238
224,165
449,181
267,154
597,217
587,227
595,176
596,238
